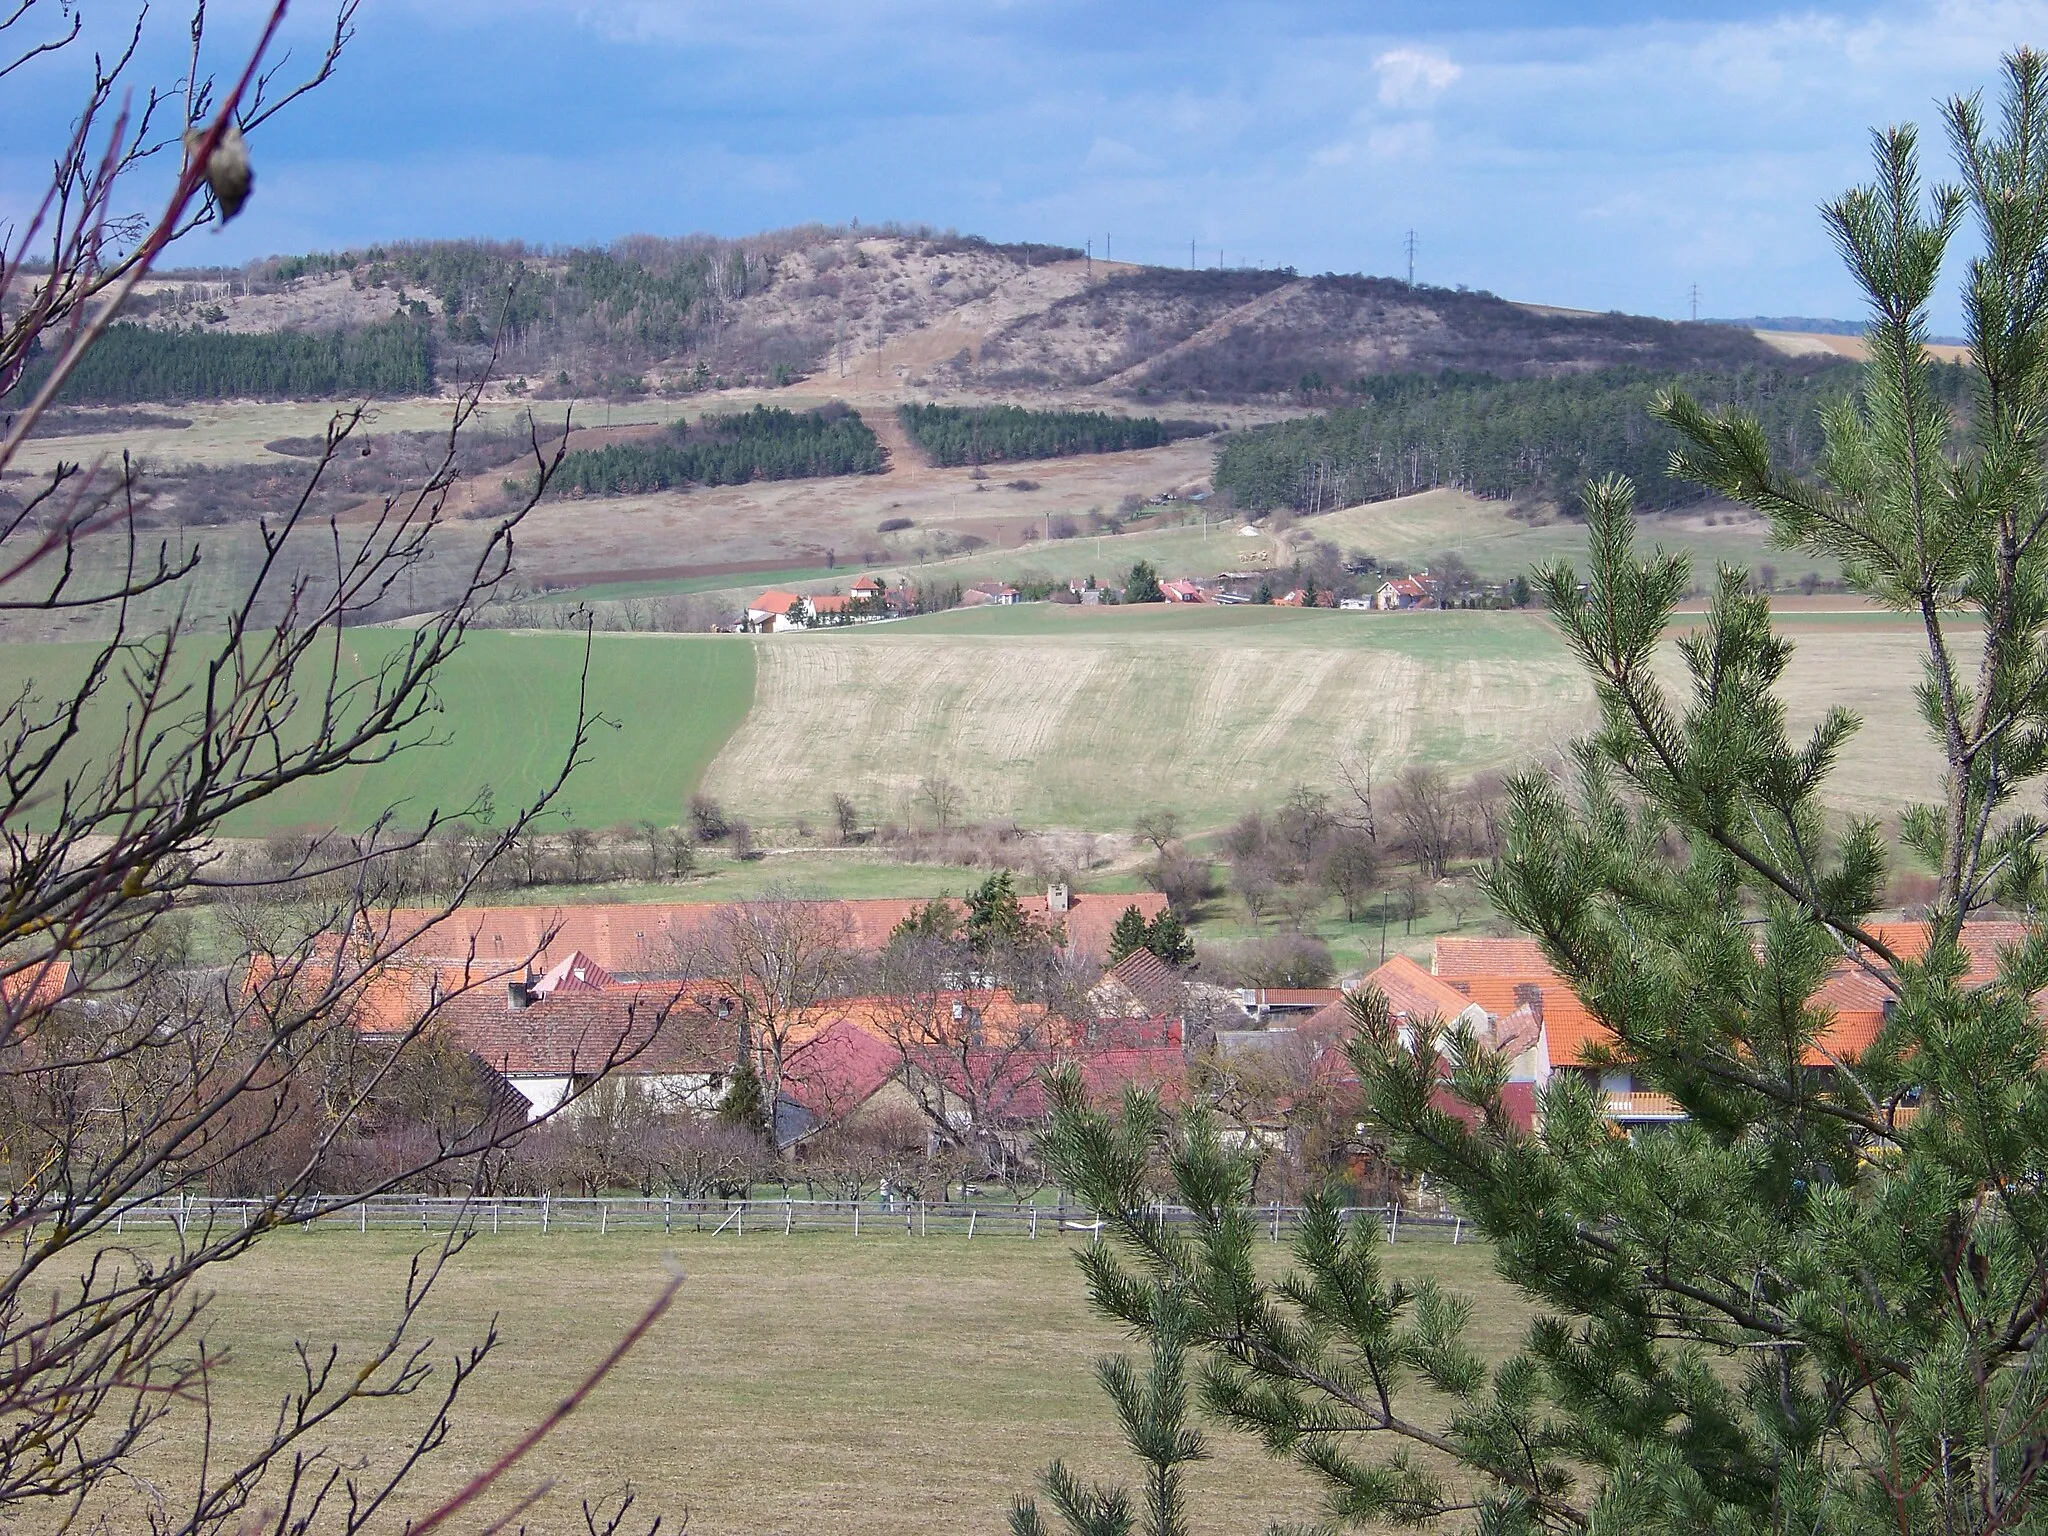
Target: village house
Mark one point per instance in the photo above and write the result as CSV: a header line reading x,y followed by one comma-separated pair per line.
x,y
1406,592
998,592
1183,591
772,612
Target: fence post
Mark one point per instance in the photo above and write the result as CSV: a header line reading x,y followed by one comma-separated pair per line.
x,y
1034,1223
494,1218
1457,1229
1276,1221
788,1215
604,1217
423,1213
544,1215
743,1218
856,1218
923,1212
971,1214
1394,1226
667,1213
363,1216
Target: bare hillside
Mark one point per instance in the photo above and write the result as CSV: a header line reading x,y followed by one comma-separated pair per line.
x,y
923,312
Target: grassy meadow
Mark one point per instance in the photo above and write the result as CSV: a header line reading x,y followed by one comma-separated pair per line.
x,y
1051,716
816,1383
505,706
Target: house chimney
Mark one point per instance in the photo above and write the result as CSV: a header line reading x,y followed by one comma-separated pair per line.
x,y
959,1011
518,995
1058,898
1529,995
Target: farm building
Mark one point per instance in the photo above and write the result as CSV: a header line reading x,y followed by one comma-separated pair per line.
x,y
998,592
1183,592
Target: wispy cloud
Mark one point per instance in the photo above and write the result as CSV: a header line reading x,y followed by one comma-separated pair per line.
x,y
1413,77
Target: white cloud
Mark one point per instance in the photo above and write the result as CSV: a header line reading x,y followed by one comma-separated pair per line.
x,y
1113,156
1414,77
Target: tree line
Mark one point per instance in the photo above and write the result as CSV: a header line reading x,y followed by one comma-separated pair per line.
x,y
766,443
134,363
953,435
1500,438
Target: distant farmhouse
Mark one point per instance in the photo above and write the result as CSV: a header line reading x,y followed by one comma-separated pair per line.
x,y
870,599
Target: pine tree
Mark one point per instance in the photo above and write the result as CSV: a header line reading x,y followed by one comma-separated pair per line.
x,y
1167,937
1142,585
1820,1302
1152,1410
1129,935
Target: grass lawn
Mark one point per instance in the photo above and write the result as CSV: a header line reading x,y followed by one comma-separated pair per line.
x,y
817,1383
506,705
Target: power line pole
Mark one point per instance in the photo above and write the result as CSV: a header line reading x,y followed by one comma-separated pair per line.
x,y
1105,245
1411,258
1191,255
1695,301
1091,259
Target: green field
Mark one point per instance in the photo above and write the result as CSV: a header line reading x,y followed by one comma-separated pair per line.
x,y
1052,716
820,1383
506,704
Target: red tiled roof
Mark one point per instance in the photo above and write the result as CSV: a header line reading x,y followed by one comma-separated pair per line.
x,y
37,984
644,1027
775,602
1150,980
574,972
658,936
830,602
839,1070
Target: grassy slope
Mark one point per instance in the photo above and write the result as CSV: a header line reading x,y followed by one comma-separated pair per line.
x,y
817,1383
1087,717
507,705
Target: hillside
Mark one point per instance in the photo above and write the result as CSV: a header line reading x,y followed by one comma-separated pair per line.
x,y
925,310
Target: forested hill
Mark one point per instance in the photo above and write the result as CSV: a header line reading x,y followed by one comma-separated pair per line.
x,y
923,309
1162,333
1535,438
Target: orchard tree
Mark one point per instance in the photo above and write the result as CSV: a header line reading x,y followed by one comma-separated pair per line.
x,y
1820,1302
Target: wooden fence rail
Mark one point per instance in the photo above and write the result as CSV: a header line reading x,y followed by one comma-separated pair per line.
x,y
734,1218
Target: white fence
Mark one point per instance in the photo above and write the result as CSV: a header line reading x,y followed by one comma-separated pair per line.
x,y
720,1218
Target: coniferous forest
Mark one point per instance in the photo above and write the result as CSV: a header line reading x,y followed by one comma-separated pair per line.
x,y
1536,438
993,434
766,443
133,364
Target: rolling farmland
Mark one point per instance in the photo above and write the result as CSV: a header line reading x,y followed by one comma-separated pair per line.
x,y
1054,717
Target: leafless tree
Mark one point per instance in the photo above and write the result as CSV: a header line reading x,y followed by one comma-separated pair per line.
x,y
1357,769
781,959
1426,811
970,1050
1159,828
941,796
122,1079
1348,867
847,816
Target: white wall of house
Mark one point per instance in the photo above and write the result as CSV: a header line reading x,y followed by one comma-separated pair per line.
x,y
545,1092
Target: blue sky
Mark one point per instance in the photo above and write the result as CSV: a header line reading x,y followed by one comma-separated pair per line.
x,y
1602,154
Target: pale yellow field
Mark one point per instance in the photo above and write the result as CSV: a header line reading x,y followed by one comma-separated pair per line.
x,y
1088,718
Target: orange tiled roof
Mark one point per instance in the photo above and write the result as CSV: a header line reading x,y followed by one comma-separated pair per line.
x,y
1413,993
626,937
775,602
1497,973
